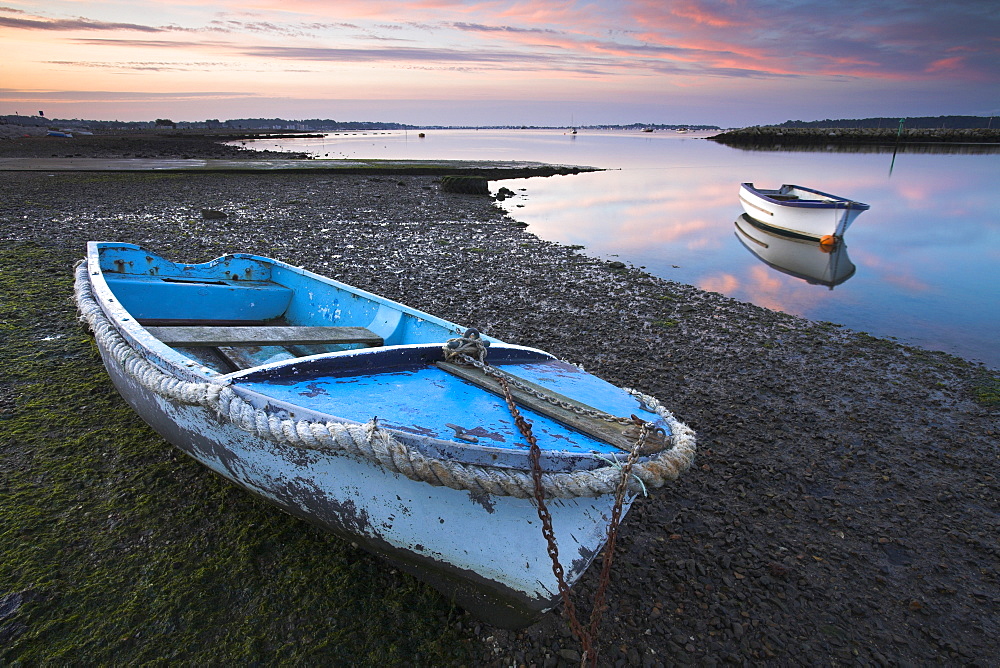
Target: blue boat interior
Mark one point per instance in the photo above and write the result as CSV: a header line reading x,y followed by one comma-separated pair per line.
x,y
247,295
307,347
800,196
414,396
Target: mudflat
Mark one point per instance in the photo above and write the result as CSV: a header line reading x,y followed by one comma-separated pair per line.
x,y
843,508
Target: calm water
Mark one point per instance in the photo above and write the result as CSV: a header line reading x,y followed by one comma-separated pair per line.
x,y
926,257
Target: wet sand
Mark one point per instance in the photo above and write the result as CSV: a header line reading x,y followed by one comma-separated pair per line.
x,y
843,507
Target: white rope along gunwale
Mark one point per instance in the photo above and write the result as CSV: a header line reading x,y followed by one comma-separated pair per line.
x,y
379,445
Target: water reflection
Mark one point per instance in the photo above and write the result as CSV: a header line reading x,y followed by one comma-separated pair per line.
x,y
925,253
808,260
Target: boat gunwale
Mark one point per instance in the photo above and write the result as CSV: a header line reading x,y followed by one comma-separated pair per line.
x,y
134,333
835,201
178,365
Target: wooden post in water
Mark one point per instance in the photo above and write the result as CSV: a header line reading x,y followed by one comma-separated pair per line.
x,y
895,148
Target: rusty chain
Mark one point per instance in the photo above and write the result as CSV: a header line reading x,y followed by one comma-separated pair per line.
x,y
616,515
548,532
471,345
588,637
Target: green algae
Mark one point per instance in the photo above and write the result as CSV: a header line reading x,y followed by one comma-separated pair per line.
x,y
986,389
123,550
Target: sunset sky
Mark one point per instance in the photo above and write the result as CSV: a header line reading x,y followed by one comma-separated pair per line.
x,y
538,62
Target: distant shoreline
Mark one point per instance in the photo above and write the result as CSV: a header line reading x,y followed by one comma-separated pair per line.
x,y
881,136
209,152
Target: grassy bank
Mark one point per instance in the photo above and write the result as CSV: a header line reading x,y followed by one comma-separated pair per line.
x,y
116,548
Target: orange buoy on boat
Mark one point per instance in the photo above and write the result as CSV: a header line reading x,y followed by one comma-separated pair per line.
x,y
827,242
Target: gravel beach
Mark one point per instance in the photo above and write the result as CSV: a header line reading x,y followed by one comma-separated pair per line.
x,y
843,509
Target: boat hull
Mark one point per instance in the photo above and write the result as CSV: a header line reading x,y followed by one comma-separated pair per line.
x,y
800,212
389,444
487,554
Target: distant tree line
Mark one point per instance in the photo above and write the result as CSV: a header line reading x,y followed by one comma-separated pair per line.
x,y
307,125
770,137
314,124
916,123
655,126
330,125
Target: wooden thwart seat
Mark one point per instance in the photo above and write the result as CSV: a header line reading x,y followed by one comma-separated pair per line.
x,y
200,336
594,423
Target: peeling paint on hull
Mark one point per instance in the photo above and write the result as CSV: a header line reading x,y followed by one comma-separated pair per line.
x,y
412,459
488,555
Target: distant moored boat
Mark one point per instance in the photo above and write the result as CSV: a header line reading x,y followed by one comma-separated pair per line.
x,y
800,212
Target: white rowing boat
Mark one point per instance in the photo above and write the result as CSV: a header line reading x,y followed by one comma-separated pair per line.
x,y
801,212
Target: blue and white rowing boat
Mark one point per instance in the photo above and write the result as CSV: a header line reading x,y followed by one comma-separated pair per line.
x,y
800,212
378,421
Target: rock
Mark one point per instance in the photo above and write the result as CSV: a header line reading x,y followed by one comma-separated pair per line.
x,y
470,185
11,631
570,655
212,214
504,193
10,604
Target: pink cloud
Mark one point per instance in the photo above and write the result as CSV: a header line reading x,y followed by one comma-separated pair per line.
x,y
611,53
946,64
699,14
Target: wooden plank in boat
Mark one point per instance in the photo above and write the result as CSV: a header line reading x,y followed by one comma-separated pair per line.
x,y
237,358
612,433
263,336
